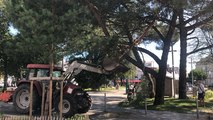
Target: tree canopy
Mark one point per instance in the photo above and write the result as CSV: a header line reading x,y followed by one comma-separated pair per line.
x,y
198,74
99,29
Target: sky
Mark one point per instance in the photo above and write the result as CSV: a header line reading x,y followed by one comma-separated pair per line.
x,y
12,30
176,48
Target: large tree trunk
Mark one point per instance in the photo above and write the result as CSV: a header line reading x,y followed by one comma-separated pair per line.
x,y
160,80
160,85
183,46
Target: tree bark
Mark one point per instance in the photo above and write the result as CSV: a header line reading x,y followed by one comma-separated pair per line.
x,y
97,15
160,80
183,55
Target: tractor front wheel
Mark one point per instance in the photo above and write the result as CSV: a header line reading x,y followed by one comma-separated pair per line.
x,y
84,103
69,106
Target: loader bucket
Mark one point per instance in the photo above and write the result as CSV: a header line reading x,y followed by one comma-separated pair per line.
x,y
110,64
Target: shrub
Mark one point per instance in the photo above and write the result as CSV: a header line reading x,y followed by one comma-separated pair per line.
x,y
209,94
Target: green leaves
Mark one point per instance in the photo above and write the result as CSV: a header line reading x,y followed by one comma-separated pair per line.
x,y
42,23
198,74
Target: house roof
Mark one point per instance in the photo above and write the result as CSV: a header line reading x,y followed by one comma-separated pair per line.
x,y
170,75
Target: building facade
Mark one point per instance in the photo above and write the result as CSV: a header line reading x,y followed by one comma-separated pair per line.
x,y
206,64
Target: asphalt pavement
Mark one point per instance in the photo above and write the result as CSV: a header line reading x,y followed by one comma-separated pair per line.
x,y
105,107
109,110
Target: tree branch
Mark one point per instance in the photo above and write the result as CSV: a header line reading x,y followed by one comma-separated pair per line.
x,y
97,14
191,32
193,18
172,26
158,32
197,41
199,23
141,66
202,12
198,50
157,60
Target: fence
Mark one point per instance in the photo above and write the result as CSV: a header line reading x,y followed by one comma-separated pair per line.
x,y
54,117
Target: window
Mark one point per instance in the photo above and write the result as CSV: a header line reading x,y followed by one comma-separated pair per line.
x,y
56,73
42,73
32,73
46,73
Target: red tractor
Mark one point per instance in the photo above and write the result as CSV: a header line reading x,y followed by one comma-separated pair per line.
x,y
75,99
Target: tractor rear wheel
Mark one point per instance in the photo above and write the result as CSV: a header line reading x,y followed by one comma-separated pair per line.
x,y
21,99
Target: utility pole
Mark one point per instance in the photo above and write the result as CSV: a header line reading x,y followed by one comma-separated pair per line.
x,y
192,72
173,72
192,76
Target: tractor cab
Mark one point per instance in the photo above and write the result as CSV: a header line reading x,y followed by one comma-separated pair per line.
x,y
40,70
37,71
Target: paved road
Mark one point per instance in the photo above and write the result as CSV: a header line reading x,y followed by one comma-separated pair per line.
x,y
7,108
108,103
113,98
111,111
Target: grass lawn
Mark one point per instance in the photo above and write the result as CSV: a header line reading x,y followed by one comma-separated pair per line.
x,y
1,114
171,104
